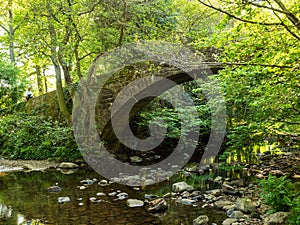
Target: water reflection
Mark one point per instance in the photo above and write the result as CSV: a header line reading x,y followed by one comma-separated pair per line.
x,y
21,219
7,217
5,211
252,154
28,196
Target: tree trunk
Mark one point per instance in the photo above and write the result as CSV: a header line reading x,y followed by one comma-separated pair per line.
x,y
122,27
11,34
67,75
45,80
77,60
59,88
39,79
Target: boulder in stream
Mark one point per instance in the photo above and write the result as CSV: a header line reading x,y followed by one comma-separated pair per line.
x,y
132,203
279,218
67,165
229,221
181,187
64,199
245,205
158,205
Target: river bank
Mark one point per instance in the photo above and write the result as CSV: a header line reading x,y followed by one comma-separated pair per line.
x,y
19,165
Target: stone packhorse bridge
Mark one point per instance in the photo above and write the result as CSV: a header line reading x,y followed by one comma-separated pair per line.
x,y
94,105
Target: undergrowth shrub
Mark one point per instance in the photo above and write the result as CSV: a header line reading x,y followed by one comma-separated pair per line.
x,y
36,137
282,195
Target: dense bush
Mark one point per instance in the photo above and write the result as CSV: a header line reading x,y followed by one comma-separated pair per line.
x,y
35,137
282,195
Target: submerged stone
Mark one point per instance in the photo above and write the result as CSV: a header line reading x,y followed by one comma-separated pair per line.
x,y
122,195
87,182
64,199
151,196
54,189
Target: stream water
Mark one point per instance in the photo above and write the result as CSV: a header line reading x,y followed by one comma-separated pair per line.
x,y
24,199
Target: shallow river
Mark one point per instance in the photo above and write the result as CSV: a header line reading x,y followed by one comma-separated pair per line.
x,y
24,199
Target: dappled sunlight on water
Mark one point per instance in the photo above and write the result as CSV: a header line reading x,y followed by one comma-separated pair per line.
x,y
251,155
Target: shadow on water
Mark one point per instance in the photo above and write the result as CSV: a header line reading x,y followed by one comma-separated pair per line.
x,y
24,199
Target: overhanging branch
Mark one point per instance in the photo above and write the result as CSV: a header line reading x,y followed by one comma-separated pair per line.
x,y
237,18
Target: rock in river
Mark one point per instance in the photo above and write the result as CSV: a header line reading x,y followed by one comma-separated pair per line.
x,y
158,205
279,218
67,165
87,182
122,195
245,205
132,203
201,220
64,199
221,203
181,187
53,189
227,189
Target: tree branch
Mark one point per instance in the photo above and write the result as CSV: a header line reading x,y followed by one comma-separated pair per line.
x,y
238,18
219,64
286,27
257,64
86,55
288,122
289,15
4,28
267,7
91,10
21,22
122,27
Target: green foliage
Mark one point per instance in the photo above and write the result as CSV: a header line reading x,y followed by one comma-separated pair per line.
x,y
151,20
11,88
262,101
165,116
295,212
35,137
277,192
282,195
194,23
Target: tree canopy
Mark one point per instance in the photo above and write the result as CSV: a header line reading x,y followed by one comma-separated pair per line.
x,y
258,41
